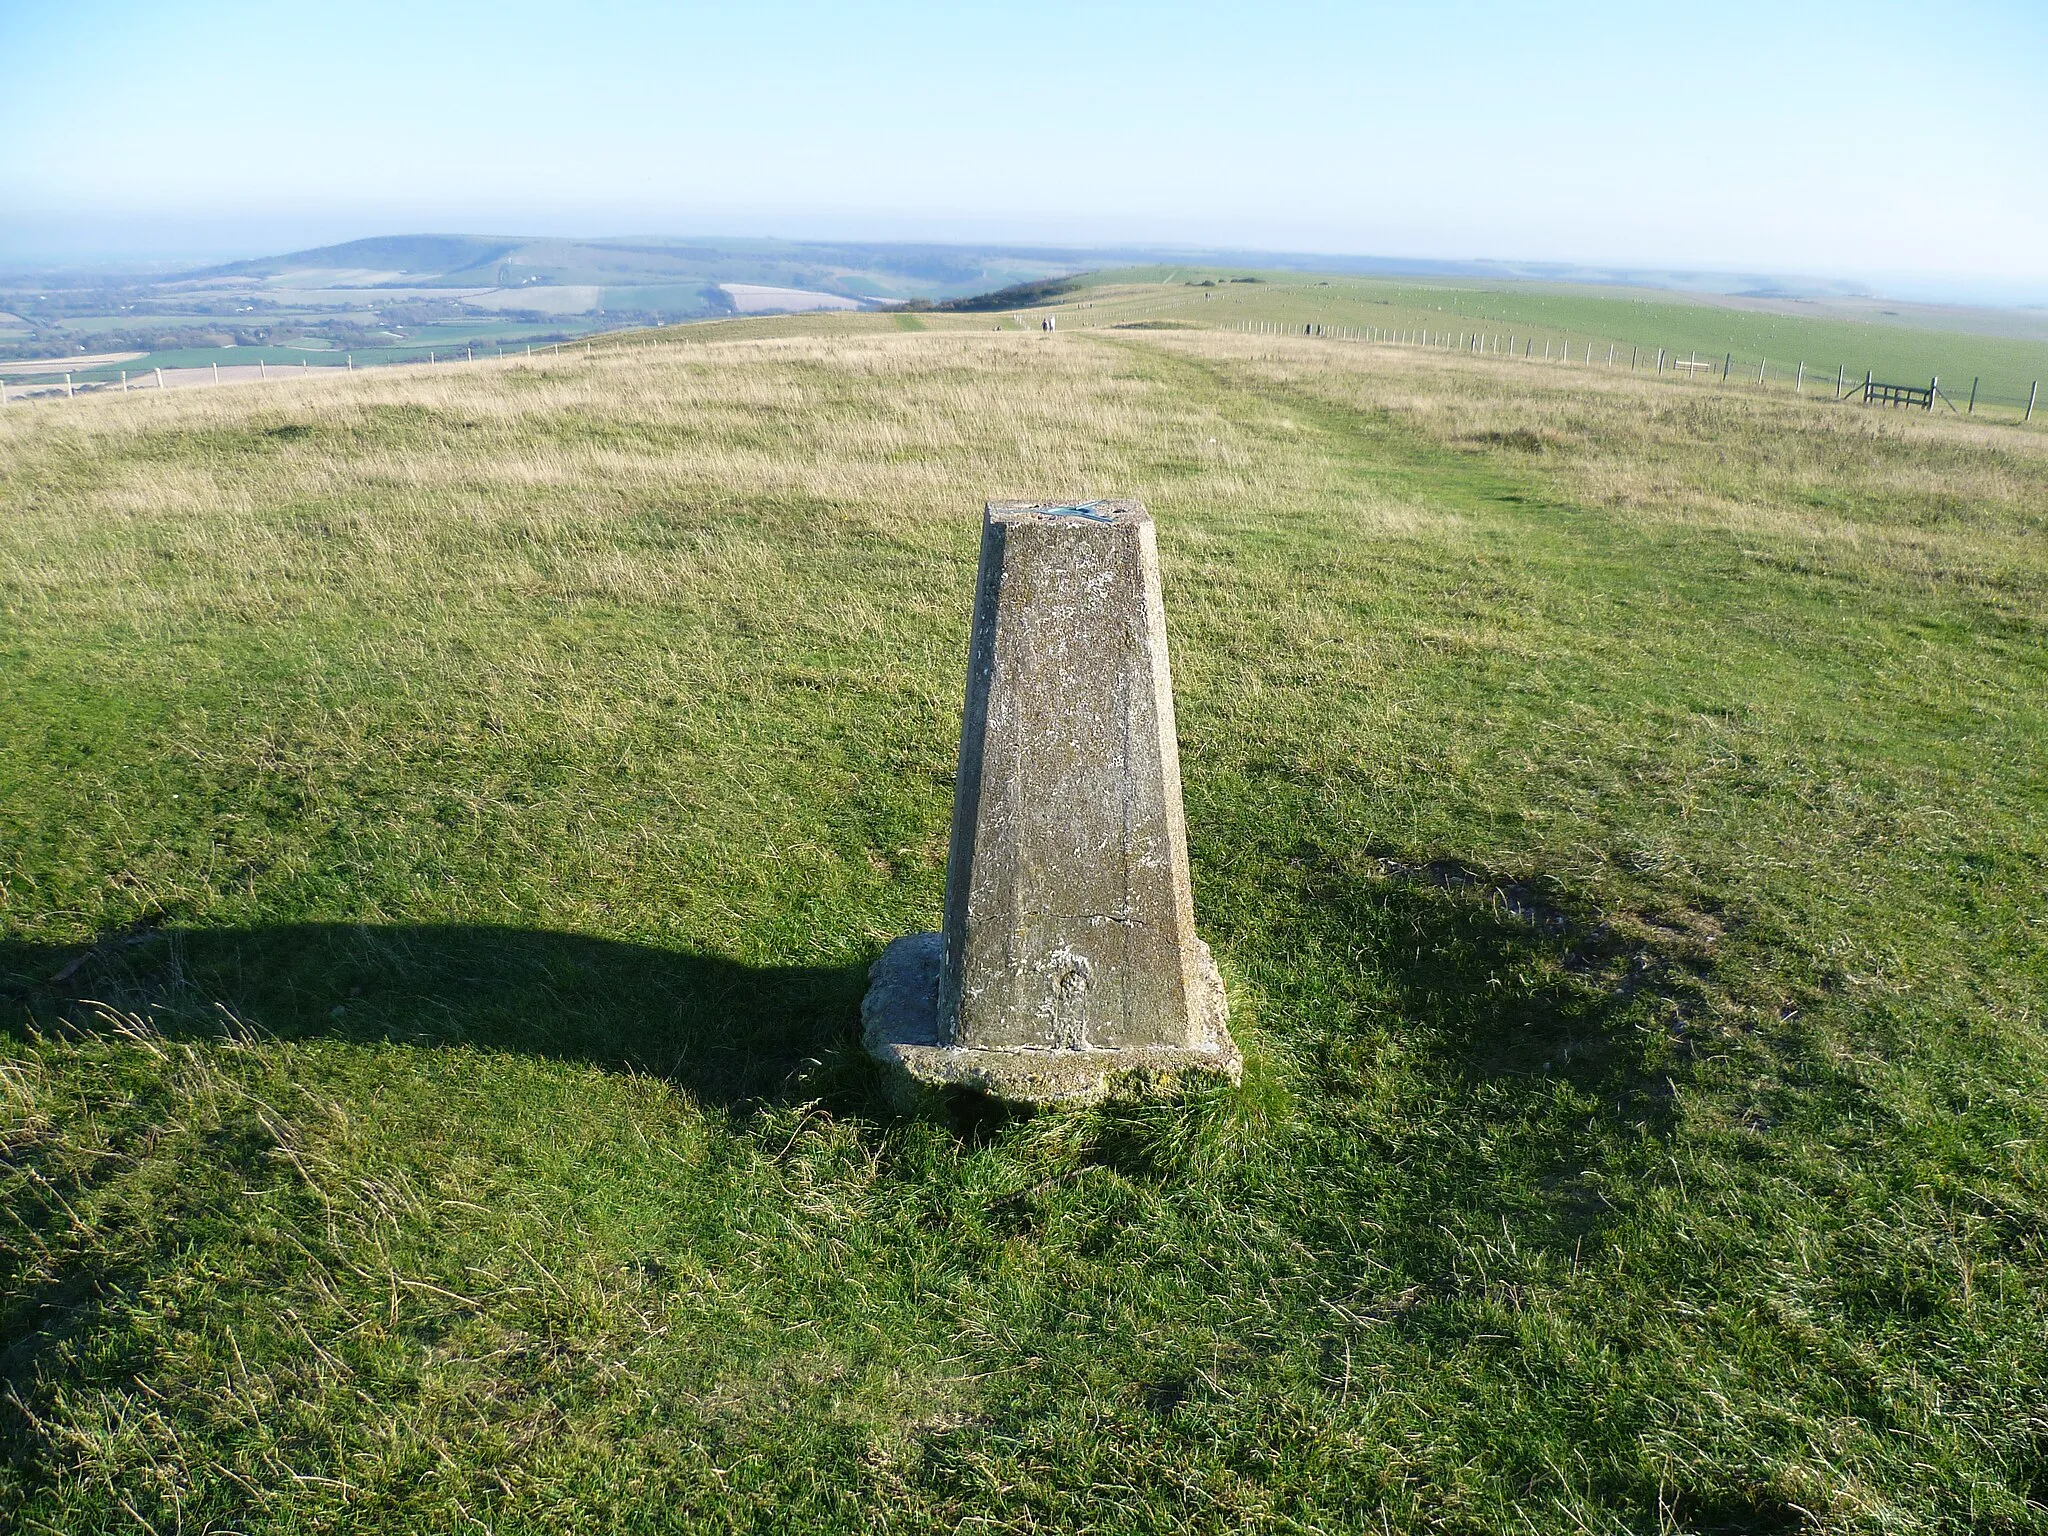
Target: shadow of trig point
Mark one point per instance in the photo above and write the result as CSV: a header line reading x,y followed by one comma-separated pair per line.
x,y
1069,959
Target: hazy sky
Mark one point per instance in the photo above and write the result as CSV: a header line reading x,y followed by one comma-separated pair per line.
x,y
1866,138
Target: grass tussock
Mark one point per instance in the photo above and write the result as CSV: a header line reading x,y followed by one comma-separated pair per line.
x,y
1939,498
445,818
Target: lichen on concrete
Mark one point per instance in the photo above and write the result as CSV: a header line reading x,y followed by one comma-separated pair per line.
x,y
1068,957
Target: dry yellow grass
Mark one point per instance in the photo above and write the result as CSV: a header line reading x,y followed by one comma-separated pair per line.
x,y
1920,492
1619,806
521,475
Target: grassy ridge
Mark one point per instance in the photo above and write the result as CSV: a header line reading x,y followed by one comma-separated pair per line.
x,y
1558,315
447,815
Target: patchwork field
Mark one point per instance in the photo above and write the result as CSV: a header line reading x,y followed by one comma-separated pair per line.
x,y
446,816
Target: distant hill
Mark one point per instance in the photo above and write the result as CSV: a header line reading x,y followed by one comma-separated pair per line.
x,y
871,273
885,271
419,297
418,257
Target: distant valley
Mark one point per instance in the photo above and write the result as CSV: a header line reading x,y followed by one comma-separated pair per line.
x,y
439,297
408,297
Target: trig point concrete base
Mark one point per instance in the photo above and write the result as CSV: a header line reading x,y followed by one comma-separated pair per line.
x,y
1069,958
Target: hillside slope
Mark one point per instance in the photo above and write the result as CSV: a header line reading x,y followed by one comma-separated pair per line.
x,y
854,270
445,817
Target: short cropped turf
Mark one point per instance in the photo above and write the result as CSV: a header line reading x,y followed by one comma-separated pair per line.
x,y
445,819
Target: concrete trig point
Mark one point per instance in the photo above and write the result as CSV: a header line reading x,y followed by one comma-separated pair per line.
x,y
1069,957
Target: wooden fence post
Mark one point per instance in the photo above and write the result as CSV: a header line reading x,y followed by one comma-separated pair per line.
x,y
1799,384
2030,399
1973,395
1727,367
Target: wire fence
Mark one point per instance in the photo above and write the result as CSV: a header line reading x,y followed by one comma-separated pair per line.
x,y
59,383
1795,375
1798,376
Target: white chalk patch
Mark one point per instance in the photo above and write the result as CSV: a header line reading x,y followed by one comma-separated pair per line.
x,y
757,299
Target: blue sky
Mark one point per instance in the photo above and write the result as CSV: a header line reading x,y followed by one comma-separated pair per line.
x,y
1867,139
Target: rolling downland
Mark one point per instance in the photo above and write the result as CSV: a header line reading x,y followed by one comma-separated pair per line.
x,y
446,816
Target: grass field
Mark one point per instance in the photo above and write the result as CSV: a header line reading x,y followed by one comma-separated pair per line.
x,y
447,341
1903,351
445,818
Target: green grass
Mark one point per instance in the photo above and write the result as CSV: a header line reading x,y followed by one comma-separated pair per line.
x,y
444,341
659,298
1907,350
445,818
200,357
